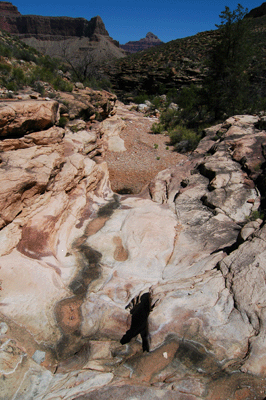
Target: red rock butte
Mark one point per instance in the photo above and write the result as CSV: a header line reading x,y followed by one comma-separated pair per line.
x,y
150,40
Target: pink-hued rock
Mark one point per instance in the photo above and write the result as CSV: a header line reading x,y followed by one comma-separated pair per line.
x,y
20,117
75,258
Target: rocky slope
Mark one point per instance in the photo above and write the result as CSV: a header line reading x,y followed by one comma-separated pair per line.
x,y
81,267
257,12
60,36
170,65
150,40
183,62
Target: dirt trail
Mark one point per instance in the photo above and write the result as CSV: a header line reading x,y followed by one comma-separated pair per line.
x,y
146,153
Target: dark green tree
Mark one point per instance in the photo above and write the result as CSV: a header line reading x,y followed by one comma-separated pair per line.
x,y
227,83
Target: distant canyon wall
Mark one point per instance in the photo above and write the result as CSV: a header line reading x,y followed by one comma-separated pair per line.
x,y
38,26
69,38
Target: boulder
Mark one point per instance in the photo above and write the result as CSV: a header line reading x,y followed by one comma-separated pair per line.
x,y
143,107
110,129
20,117
83,103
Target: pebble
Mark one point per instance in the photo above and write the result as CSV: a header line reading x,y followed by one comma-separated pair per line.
x,y
3,328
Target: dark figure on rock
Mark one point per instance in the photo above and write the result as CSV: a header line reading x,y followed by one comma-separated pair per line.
x,y
139,322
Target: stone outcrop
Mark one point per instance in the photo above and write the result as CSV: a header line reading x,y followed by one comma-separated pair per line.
x,y
150,40
8,9
26,116
76,258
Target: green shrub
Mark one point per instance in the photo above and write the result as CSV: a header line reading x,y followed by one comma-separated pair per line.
x,y
18,76
51,95
61,84
5,69
184,139
156,101
48,63
5,51
256,215
98,83
74,128
39,88
11,85
24,54
62,122
170,118
140,99
172,96
157,128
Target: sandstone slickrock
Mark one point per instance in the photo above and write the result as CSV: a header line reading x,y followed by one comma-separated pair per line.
x,y
75,256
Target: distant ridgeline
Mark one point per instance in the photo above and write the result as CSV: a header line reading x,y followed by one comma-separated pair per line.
x,y
150,40
257,12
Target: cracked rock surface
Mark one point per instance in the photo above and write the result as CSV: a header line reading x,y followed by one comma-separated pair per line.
x,y
76,257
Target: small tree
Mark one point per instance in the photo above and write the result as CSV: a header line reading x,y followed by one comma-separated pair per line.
x,y
227,82
82,65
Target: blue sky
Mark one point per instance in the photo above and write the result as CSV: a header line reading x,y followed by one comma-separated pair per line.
x,y
124,20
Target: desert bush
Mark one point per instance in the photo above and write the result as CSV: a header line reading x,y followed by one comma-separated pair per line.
x,y
5,69
39,88
62,122
156,102
157,128
16,49
25,54
256,214
41,73
60,84
19,76
184,139
13,78
172,96
98,83
5,51
170,118
140,98
12,85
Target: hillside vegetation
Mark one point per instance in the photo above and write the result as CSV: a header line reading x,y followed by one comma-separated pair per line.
x,y
208,77
183,61
23,66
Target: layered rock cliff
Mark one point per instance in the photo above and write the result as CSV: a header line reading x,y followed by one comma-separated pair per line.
x,y
38,26
150,40
183,263
53,35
